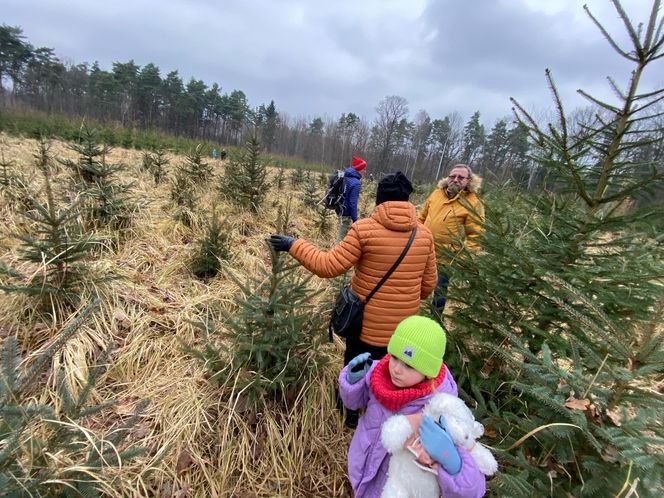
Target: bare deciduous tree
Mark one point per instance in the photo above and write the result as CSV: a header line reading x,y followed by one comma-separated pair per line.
x,y
391,110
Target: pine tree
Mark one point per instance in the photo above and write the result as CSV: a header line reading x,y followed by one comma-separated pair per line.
x,y
183,196
245,180
111,203
473,138
6,174
270,120
557,330
324,221
91,160
58,245
274,342
495,150
297,177
18,193
158,165
213,248
311,194
48,452
146,161
196,169
279,179
519,166
11,185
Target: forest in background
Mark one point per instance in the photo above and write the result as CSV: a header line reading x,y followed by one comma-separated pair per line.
x,y
422,146
136,97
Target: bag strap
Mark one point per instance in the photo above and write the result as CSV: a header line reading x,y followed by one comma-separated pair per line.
x,y
394,266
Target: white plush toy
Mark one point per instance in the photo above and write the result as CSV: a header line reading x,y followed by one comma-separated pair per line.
x,y
407,479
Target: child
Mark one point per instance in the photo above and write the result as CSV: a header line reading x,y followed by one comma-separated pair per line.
x,y
402,382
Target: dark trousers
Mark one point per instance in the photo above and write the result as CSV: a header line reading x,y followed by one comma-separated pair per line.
x,y
354,347
440,294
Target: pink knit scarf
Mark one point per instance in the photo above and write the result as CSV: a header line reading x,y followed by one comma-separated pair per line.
x,y
393,397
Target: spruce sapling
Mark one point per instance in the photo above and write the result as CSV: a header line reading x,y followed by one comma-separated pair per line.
x,y
48,452
195,168
274,342
212,249
558,320
245,179
58,245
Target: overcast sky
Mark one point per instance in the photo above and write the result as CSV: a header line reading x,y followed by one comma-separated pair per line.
x,y
327,57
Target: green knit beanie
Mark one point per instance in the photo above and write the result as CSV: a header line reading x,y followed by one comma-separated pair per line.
x,y
419,342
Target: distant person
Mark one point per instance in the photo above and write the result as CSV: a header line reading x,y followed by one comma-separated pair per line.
x,y
371,247
214,153
455,215
403,382
352,185
222,155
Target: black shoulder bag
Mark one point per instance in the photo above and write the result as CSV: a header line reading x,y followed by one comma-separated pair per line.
x,y
348,309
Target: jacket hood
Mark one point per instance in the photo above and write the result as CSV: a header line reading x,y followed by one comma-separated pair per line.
x,y
474,185
399,216
350,171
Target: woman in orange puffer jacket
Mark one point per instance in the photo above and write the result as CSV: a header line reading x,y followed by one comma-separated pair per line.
x,y
371,246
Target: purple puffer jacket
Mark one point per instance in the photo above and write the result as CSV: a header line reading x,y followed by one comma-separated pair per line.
x,y
368,460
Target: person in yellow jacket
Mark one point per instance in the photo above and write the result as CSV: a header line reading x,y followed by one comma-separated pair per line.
x,y
455,215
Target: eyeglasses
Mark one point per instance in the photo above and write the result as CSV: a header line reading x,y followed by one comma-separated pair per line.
x,y
457,177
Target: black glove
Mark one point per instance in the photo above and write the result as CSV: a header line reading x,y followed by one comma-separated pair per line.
x,y
281,242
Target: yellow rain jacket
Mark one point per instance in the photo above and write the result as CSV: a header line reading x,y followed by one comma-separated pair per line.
x,y
455,223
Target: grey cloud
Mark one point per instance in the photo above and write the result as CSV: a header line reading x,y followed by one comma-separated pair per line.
x,y
325,58
500,48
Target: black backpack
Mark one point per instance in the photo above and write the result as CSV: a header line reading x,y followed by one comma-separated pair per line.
x,y
334,194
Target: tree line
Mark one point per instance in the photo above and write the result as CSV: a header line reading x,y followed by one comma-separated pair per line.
x,y
134,96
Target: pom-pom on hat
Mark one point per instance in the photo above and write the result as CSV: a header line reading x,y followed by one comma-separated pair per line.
x,y
394,187
419,342
358,163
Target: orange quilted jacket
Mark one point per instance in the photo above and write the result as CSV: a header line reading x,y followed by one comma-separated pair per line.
x,y
372,245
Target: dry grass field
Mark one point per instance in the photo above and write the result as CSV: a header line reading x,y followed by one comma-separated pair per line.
x,y
200,441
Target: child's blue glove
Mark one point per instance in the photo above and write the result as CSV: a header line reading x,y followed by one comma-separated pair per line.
x,y
439,444
358,367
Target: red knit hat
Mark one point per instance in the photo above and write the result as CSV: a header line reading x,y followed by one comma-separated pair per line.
x,y
358,163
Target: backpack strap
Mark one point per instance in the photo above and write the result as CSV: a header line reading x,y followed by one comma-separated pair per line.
x,y
394,266
335,178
